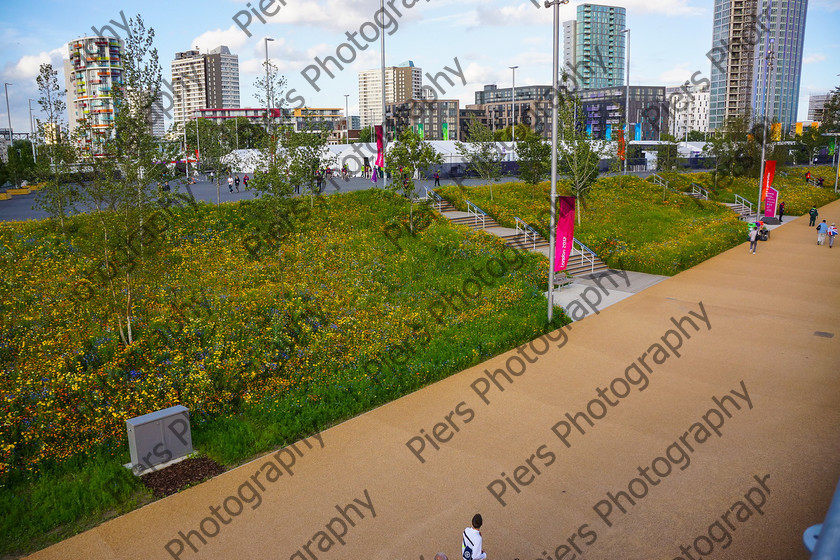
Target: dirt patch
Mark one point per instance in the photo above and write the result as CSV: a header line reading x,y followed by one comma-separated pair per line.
x,y
181,475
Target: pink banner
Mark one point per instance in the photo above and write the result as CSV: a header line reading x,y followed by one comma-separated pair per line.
x,y
565,232
770,202
380,152
767,180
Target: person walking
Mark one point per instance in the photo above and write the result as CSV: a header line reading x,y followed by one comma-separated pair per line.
x,y
437,178
832,232
236,182
781,211
230,183
753,240
245,180
813,213
822,229
472,543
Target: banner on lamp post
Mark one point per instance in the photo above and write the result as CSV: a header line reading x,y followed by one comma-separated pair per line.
x,y
380,152
770,202
565,233
445,127
767,179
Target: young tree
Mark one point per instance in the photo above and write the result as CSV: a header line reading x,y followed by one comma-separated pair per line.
x,y
811,141
667,153
481,154
579,156
307,157
534,160
831,112
406,156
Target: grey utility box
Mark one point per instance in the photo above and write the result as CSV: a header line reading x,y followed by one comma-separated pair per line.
x,y
159,437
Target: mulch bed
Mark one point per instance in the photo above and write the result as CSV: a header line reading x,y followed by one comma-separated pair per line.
x,y
181,475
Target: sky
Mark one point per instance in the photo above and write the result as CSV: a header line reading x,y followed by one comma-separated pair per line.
x,y
479,39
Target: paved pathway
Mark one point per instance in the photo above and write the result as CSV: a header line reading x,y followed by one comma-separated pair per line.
x,y
657,463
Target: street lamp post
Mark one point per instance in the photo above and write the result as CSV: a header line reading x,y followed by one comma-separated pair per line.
x,y
8,112
768,63
197,141
32,132
555,92
513,106
627,103
184,123
384,122
347,116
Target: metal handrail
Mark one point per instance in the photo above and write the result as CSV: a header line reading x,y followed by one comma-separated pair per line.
x,y
477,212
697,189
744,202
438,200
526,230
585,253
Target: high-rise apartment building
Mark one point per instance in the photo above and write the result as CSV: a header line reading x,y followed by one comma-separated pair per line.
x,y
816,106
594,47
204,81
92,73
688,108
402,83
757,60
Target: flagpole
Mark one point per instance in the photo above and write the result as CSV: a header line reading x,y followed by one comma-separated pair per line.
x,y
384,127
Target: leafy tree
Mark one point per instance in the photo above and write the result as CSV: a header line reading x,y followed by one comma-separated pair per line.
x,y
307,157
503,135
667,153
214,146
736,148
406,156
578,155
21,164
534,160
366,135
811,141
831,112
696,136
481,153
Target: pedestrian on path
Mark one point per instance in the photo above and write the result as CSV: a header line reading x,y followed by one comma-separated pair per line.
x,y
753,240
230,183
236,182
781,211
822,229
813,213
437,178
832,232
471,543
245,180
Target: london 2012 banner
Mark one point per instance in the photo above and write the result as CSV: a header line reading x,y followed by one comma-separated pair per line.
x,y
380,152
565,233
767,179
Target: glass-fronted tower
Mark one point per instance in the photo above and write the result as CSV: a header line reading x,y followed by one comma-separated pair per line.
x,y
597,46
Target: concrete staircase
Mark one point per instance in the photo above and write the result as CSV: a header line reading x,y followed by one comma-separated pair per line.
x,y
582,261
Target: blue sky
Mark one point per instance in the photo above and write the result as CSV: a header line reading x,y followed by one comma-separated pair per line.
x,y
670,39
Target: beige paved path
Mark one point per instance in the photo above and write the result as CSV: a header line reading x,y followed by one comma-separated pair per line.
x,y
764,311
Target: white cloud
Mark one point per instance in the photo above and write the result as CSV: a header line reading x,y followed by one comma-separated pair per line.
x,y
524,12
27,67
827,5
676,75
232,37
811,58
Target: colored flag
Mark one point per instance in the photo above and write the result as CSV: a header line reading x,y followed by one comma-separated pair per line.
x,y
770,203
380,148
445,127
776,135
621,145
565,233
767,180
799,129
589,130
831,147
638,135
421,131
609,132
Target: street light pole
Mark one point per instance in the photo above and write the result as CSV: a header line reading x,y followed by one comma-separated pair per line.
x,y
384,122
8,112
768,63
347,116
197,142
627,103
555,92
513,106
184,123
32,132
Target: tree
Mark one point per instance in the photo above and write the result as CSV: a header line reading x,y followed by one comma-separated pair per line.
x,y
831,112
503,135
307,157
481,153
736,149
366,135
20,164
667,153
534,159
811,141
696,136
406,156
579,156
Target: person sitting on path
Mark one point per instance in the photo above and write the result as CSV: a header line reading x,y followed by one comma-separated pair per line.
x,y
813,213
471,543
832,232
822,229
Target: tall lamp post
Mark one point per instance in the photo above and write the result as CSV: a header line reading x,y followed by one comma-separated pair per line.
x,y
384,122
555,92
347,116
268,117
8,112
768,64
32,132
513,106
184,123
627,103
197,141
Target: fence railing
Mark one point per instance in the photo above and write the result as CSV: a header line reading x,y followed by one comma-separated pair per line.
x,y
477,213
585,253
527,231
700,191
745,203
437,200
